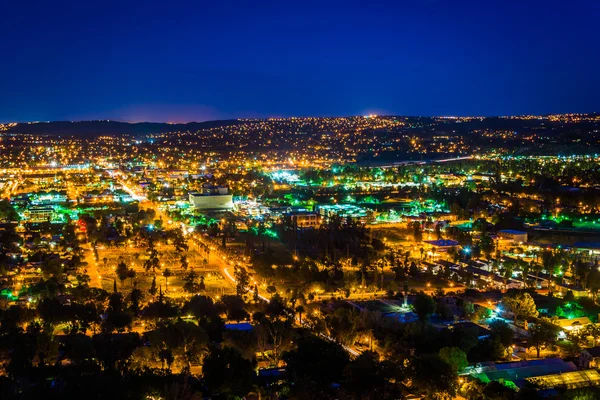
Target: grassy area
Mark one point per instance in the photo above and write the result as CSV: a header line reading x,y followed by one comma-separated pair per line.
x,y
215,283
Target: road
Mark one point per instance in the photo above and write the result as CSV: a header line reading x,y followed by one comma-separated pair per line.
x,y
92,267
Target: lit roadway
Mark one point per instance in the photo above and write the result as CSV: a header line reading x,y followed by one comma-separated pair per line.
x,y
92,267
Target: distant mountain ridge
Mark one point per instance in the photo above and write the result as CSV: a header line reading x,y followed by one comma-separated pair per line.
x,y
106,127
461,125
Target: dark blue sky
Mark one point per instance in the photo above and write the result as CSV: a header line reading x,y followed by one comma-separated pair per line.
x,y
198,60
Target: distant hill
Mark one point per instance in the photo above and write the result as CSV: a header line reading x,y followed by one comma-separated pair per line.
x,y
97,128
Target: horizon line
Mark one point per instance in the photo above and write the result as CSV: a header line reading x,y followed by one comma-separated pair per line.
x,y
298,117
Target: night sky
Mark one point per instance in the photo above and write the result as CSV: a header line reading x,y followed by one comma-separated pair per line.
x,y
198,60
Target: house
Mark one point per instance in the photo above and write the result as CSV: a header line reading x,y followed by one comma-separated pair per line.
x,y
572,324
577,291
590,358
305,219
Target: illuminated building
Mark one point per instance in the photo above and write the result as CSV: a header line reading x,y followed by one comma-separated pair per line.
x,y
211,198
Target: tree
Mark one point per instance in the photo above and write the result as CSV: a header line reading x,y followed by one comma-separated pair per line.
x,y
434,376
469,310
202,307
185,340
590,393
499,391
541,334
487,246
235,308
569,296
424,306
280,335
201,284
45,344
465,337
83,279
111,350
453,253
225,371
438,231
117,316
342,326
502,331
122,271
167,274
135,297
365,376
184,262
161,309
152,263
242,280
190,284
417,231
153,289
131,274
481,314
317,362
454,357
179,242
52,311
521,304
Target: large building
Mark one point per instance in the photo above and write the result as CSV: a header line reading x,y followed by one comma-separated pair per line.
x,y
39,214
306,219
513,236
346,212
211,198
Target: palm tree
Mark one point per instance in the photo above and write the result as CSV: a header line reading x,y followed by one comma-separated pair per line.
x,y
167,274
184,263
131,274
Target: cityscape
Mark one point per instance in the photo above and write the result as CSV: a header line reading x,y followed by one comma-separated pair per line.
x,y
281,200
360,257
